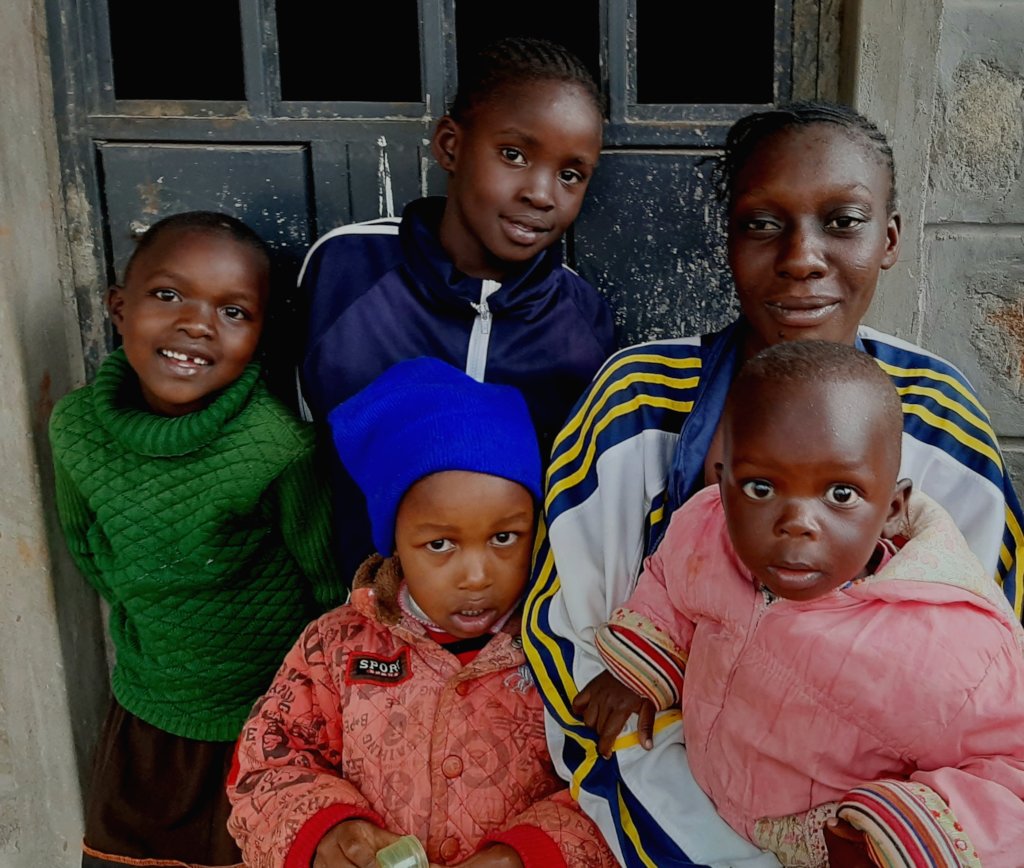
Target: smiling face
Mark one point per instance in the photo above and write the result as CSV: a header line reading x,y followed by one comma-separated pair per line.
x,y
464,541
518,167
808,482
190,316
809,231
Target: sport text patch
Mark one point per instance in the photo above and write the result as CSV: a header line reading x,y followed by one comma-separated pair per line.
x,y
377,669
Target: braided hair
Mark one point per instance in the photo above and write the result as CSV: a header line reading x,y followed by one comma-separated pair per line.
x,y
747,134
512,61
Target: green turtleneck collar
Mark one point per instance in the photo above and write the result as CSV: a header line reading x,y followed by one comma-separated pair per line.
x,y
148,433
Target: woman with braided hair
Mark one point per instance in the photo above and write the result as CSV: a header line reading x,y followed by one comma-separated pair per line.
x,y
812,222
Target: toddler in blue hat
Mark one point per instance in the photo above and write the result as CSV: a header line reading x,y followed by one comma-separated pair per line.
x,y
411,711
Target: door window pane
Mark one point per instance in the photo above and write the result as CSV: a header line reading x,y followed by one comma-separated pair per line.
x,y
349,52
575,25
180,50
720,52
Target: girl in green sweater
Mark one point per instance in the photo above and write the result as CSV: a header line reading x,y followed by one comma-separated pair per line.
x,y
189,499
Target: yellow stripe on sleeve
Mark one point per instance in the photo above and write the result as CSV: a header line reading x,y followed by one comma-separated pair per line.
x,y
950,404
575,422
661,721
562,711
956,432
621,410
580,773
566,686
629,827
927,373
546,586
640,377
1018,573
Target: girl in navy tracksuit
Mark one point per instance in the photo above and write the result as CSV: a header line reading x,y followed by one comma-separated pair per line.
x,y
475,278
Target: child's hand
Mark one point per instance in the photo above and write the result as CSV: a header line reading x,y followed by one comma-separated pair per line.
x,y
606,704
352,844
846,846
495,856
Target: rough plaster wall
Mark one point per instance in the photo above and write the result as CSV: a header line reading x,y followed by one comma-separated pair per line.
x,y
51,672
974,235
890,49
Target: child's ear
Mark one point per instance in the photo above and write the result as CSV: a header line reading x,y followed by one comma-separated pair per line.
x,y
718,472
115,305
445,142
898,521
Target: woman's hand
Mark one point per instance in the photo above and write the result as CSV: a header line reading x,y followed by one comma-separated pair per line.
x,y
606,704
846,846
352,844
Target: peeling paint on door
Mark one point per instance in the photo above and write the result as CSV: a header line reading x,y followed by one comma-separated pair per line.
x,y
385,198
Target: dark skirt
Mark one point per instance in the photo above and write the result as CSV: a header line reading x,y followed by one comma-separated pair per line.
x,y
157,799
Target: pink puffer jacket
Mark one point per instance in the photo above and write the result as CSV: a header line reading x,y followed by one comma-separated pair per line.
x,y
898,700
366,720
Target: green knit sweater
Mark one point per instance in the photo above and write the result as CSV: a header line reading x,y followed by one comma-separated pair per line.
x,y
208,534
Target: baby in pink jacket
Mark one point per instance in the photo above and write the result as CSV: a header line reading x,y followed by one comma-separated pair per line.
x,y
850,680
411,711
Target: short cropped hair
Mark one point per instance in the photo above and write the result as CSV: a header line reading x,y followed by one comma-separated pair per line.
x,y
793,362
206,222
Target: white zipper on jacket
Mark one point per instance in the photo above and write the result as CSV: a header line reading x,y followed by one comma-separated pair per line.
x,y
480,336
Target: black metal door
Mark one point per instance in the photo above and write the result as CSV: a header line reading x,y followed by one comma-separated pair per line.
x,y
297,116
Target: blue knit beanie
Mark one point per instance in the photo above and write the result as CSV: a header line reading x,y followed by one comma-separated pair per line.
x,y
423,416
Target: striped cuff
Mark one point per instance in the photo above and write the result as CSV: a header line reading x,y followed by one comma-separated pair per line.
x,y
642,657
908,824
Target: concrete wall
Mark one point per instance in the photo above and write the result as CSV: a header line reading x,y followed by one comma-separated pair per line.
x,y
48,624
974,229
945,80
889,52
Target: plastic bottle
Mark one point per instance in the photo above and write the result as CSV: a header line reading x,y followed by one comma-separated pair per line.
x,y
406,852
